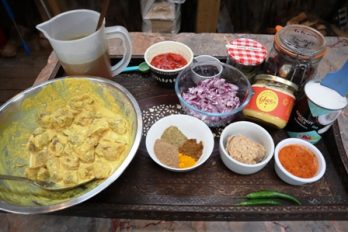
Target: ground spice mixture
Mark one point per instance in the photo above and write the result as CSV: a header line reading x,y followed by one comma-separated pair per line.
x,y
245,150
192,148
186,161
174,149
167,153
174,136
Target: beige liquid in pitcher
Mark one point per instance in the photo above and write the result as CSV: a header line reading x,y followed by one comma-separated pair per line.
x,y
99,67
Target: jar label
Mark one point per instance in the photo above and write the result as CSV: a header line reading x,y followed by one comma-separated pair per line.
x,y
272,102
317,110
310,136
267,100
243,47
308,117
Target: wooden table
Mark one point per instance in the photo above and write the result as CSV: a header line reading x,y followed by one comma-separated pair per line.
x,y
211,192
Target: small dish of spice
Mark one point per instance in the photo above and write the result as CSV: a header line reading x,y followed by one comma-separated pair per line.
x,y
245,147
298,162
179,142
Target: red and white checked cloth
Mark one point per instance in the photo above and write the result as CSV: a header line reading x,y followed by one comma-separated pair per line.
x,y
246,51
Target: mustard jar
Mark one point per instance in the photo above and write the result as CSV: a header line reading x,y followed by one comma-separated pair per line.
x,y
272,101
296,53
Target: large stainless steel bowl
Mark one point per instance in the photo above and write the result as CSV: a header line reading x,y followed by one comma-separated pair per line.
x,y
17,119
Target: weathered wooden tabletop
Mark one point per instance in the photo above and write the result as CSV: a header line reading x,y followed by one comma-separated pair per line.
x,y
211,192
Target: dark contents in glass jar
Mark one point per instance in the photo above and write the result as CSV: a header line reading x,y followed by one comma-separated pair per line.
x,y
206,70
298,72
296,53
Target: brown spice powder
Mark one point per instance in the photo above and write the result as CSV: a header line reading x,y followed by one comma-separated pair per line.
x,y
167,153
245,150
192,148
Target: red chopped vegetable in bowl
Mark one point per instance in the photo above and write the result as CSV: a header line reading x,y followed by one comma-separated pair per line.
x,y
216,101
213,95
168,61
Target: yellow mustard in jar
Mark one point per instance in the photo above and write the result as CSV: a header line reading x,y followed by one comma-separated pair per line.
x,y
272,101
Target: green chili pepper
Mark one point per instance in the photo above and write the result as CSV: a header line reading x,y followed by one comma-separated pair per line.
x,y
272,194
252,202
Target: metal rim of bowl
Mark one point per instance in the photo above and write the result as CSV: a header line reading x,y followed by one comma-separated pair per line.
x,y
74,201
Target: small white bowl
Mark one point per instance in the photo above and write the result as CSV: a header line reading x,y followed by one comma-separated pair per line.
x,y
252,131
287,176
167,76
191,127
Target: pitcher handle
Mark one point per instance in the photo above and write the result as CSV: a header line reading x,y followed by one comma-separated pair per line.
x,y
120,33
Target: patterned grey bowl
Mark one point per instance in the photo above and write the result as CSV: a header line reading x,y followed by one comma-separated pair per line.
x,y
164,76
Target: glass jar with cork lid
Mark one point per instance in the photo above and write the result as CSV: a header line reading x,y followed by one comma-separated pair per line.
x,y
296,53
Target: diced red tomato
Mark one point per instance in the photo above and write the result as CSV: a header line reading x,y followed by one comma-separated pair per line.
x,y
168,61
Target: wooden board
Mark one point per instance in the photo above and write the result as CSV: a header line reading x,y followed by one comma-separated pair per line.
x,y
212,192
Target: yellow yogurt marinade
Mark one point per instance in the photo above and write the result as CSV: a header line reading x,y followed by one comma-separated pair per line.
x,y
70,131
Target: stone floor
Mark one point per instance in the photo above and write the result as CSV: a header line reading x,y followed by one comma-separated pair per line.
x,y
14,223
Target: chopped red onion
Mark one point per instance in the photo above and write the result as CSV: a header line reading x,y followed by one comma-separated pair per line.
x,y
214,95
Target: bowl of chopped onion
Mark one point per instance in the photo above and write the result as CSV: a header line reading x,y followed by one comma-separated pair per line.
x,y
216,100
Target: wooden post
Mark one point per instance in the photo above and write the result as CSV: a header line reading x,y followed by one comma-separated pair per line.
x,y
207,15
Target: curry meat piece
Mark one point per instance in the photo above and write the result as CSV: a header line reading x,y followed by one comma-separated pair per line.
x,y
74,144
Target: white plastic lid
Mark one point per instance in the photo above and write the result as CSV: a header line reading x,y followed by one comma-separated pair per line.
x,y
324,96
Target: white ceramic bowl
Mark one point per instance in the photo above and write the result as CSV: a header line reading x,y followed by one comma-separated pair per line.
x,y
287,176
191,127
166,76
252,131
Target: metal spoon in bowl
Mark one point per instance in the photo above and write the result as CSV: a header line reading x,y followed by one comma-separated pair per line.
x,y
48,185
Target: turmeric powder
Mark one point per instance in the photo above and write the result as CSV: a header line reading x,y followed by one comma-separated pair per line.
x,y
186,161
189,153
